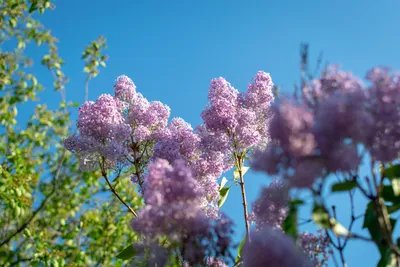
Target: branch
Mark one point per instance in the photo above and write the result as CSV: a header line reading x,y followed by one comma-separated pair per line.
x,y
103,172
87,87
239,164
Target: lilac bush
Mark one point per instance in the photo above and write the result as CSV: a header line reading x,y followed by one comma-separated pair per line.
x,y
336,124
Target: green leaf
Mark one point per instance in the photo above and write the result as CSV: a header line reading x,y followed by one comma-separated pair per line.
x,y
320,216
392,171
236,172
388,194
240,249
245,169
344,186
290,223
372,224
127,253
223,195
33,7
388,259
223,183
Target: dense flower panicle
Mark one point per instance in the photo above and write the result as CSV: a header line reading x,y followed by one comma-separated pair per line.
x,y
292,126
183,133
103,120
343,158
271,208
178,141
181,142
124,89
317,247
247,134
332,81
171,195
293,146
167,148
305,173
118,129
137,113
219,114
174,183
141,133
272,248
259,94
384,103
258,99
214,262
338,116
234,124
242,117
342,116
173,208
151,115
102,132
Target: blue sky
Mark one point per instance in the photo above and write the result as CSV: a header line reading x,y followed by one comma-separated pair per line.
x,y
172,49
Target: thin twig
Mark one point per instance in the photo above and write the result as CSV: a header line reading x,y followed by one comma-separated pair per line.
x,y
116,194
104,173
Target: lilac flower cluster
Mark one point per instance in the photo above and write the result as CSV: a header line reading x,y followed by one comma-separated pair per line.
x,y
233,123
239,120
271,208
270,247
173,209
118,129
180,142
103,132
316,247
384,103
214,262
322,133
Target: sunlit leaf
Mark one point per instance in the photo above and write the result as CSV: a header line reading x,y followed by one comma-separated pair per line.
x,y
223,195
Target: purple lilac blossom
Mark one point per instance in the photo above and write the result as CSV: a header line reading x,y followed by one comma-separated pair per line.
x,y
338,116
272,248
317,247
271,207
118,128
384,103
179,141
173,208
292,126
124,89
214,262
102,132
241,120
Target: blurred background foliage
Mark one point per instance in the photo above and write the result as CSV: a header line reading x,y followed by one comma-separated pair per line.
x,y
51,213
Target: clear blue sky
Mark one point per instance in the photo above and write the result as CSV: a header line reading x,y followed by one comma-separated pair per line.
x,y
172,49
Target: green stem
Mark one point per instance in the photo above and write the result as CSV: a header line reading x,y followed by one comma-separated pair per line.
x,y
246,215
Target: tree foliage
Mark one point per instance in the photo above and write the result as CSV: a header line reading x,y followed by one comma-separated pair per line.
x,y
52,214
